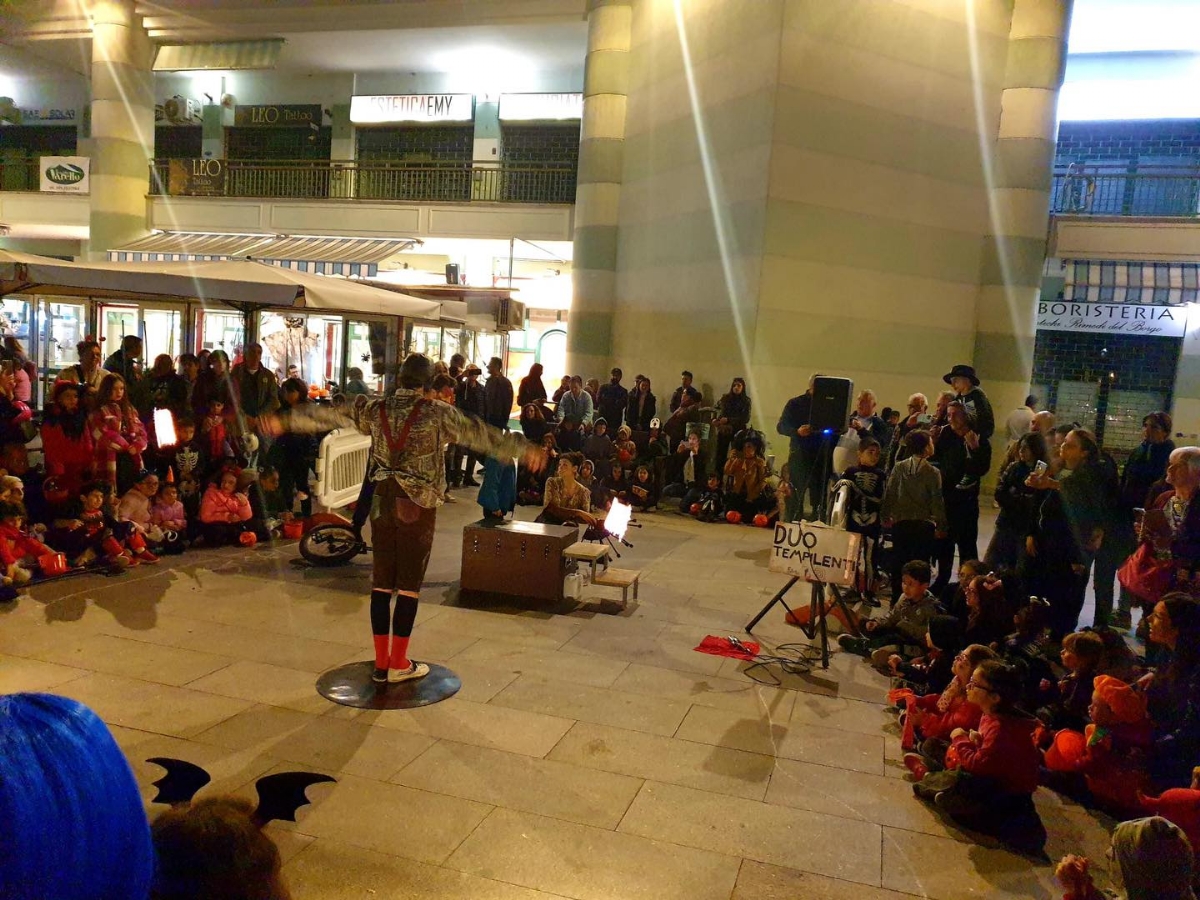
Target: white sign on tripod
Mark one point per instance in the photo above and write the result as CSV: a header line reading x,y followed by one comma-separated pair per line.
x,y
815,552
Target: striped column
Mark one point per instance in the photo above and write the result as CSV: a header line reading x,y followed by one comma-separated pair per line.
x,y
1014,246
601,155
122,125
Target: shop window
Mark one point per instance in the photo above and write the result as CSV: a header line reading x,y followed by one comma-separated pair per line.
x,y
366,349
219,330
178,142
308,347
1077,402
1123,420
427,340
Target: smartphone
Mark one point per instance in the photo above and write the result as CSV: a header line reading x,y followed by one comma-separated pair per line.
x,y
1040,468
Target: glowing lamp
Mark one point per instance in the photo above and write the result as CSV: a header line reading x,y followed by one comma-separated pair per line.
x,y
617,521
164,428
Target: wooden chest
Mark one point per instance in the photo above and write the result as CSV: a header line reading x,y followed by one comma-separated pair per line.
x,y
521,559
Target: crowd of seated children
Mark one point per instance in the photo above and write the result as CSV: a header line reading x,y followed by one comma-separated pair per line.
x,y
89,532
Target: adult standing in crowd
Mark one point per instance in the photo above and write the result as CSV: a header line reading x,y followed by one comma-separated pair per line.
x,y
804,456
1016,501
642,405
407,435
470,401
255,390
1173,692
165,390
612,400
87,372
1171,525
1020,422
189,371
864,420
963,456
497,395
213,386
1068,529
532,389
967,391
733,415
917,417
126,361
576,403
685,387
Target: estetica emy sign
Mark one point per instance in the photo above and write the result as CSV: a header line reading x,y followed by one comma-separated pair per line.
x,y
814,552
383,109
1112,318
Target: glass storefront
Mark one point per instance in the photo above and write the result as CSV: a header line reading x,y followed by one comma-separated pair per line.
x,y
160,327
305,346
220,330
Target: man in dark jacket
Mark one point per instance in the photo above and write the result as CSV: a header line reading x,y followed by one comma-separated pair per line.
x,y
963,456
497,395
804,458
470,400
685,388
127,361
255,389
612,400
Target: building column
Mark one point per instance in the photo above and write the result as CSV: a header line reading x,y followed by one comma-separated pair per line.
x,y
122,125
1021,168
597,195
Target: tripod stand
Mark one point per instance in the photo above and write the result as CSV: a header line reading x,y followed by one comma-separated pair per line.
x,y
819,603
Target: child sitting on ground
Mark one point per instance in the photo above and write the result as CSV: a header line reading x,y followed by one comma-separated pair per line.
x,y
167,514
902,630
189,460
954,597
90,532
709,504
19,552
1110,753
1065,705
746,479
269,502
134,508
989,611
643,493
225,512
932,672
568,437
616,485
992,789
929,720
1026,648
624,446
599,446
656,446
1154,857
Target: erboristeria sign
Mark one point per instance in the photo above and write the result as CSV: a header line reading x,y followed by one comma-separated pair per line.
x,y
65,174
815,552
1112,318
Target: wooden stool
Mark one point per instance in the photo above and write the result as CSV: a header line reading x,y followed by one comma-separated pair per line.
x,y
589,553
622,578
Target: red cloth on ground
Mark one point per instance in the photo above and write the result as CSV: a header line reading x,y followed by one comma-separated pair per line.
x,y
723,646
1005,753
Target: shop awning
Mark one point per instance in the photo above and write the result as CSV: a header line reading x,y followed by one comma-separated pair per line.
x,y
349,256
239,283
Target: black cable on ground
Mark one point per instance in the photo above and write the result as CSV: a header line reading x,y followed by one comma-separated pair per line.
x,y
792,659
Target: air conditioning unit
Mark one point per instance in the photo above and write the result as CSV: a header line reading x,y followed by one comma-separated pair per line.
x,y
510,316
180,111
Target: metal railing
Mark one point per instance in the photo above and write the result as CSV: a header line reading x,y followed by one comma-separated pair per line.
x,y
382,180
1120,190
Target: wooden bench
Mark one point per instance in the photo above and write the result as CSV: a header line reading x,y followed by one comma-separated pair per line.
x,y
590,553
622,578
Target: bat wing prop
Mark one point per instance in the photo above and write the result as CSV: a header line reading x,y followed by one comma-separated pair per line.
x,y
279,796
182,781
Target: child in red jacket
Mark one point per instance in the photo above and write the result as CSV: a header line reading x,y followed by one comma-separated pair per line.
x,y
224,512
18,551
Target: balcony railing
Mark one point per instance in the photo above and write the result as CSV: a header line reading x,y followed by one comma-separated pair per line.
x,y
371,180
1167,191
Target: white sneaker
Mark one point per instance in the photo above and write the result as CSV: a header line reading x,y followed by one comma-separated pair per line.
x,y
412,673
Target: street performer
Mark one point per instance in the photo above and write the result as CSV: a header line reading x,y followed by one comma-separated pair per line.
x,y
408,433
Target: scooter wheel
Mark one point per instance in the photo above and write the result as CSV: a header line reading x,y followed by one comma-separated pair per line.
x,y
331,545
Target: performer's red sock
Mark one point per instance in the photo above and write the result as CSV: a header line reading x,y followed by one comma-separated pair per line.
x,y
381,651
399,659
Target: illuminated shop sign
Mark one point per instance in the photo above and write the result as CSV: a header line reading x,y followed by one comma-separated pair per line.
x,y
383,109
1112,318
540,107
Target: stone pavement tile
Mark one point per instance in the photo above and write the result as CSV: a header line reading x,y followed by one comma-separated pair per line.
x,y
807,743
481,724
118,656
798,839
480,681
846,715
18,674
324,743
330,870
944,869
151,707
263,683
760,881
389,818
666,759
591,863
250,644
588,704
290,843
531,629
516,657
854,795
666,649
559,790
230,769
739,695
438,644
